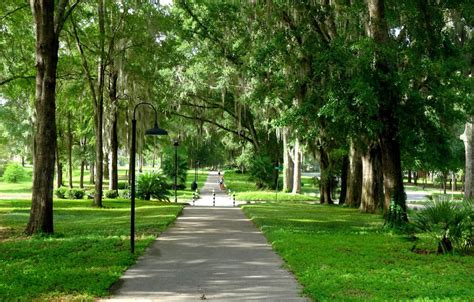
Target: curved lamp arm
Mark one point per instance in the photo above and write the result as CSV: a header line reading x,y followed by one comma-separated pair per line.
x,y
149,104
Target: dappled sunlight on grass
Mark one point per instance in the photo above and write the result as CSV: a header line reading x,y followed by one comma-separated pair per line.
x,y
339,254
88,252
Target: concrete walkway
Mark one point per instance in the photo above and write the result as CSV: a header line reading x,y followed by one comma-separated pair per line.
x,y
211,186
211,253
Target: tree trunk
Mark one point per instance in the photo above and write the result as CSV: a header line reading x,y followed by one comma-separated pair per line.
x,y
140,162
92,174
372,180
326,178
69,149
409,176
22,161
287,164
344,176
354,191
444,182
106,165
99,159
468,138
113,179
415,177
81,178
47,44
454,186
59,170
388,97
99,110
297,168
392,174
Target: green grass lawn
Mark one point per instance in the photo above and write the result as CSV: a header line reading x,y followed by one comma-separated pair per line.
x,y
245,189
339,254
14,188
88,253
25,186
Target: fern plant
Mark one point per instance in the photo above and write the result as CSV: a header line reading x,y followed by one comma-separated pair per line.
x,y
448,223
152,185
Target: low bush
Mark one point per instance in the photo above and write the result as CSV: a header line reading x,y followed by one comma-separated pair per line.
x,y
60,192
449,224
124,194
152,185
76,193
111,194
260,168
122,185
90,194
14,173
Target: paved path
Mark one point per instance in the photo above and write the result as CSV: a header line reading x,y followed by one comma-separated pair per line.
x,y
222,198
211,253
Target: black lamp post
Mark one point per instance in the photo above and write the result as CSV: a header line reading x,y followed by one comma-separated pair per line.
x,y
176,144
153,131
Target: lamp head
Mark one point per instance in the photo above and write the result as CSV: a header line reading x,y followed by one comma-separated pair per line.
x,y
156,131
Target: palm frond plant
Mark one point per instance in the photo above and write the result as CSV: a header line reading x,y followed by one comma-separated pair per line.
x,y
449,224
152,185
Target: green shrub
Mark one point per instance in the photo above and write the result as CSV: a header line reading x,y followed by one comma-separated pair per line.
x,y
449,224
152,185
260,168
124,194
75,193
2,169
60,192
90,193
122,185
112,194
14,173
169,169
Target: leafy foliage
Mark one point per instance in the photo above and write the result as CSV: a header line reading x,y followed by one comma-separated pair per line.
x,y
259,166
122,185
111,194
124,194
396,216
74,193
152,185
449,224
60,192
14,173
169,168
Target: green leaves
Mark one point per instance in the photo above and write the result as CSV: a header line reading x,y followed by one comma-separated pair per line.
x,y
449,224
152,185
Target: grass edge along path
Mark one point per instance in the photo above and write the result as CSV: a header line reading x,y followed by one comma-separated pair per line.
x,y
339,254
245,189
88,253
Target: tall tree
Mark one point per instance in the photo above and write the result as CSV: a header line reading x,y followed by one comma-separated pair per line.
x,y
49,21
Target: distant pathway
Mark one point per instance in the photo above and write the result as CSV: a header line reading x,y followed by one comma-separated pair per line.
x,y
222,199
211,253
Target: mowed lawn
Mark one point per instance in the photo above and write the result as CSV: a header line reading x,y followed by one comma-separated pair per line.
x,y
87,254
339,254
244,188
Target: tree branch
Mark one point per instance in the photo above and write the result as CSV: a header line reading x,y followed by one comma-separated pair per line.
x,y
14,11
11,79
64,16
85,64
207,33
216,124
